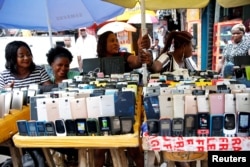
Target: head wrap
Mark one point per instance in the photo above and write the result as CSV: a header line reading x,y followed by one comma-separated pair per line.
x,y
239,27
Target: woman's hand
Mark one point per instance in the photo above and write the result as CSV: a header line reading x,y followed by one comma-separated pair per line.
x,y
146,57
9,85
144,42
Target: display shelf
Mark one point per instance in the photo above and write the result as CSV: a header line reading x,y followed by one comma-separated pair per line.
x,y
8,122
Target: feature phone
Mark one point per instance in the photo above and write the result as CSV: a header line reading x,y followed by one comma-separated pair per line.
x,y
50,128
243,124
153,127
229,125
70,127
104,125
22,127
177,126
92,127
115,125
81,127
32,128
203,124
165,127
127,125
190,124
216,125
60,127
40,128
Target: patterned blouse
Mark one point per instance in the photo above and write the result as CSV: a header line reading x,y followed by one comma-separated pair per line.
x,y
239,49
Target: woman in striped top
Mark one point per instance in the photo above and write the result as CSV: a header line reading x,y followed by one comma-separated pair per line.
x,y
176,53
21,71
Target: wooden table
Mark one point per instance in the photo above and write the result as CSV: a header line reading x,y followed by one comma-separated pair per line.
x,y
8,128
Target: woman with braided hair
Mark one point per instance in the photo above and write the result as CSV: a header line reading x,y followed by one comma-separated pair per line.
x,y
176,53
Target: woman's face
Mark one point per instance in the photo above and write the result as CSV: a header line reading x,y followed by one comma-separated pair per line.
x,y
188,50
112,45
60,67
24,57
237,36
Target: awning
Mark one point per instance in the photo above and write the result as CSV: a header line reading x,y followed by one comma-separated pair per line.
x,y
233,3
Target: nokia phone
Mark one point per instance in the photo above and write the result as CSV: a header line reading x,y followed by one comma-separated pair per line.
x,y
229,126
50,128
40,128
165,127
177,126
22,127
216,125
60,127
203,124
190,124
81,127
243,124
104,125
70,127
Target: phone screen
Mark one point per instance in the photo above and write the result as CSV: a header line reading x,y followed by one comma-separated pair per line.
x,y
60,126
189,122
217,123
229,121
244,121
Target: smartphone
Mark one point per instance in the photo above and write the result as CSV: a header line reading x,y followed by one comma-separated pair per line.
x,y
92,127
104,125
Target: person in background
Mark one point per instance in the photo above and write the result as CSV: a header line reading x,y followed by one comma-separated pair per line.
x,y
59,58
85,46
239,47
247,25
108,46
21,71
176,53
156,48
68,45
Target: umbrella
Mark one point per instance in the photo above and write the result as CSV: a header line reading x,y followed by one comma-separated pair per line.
x,y
136,19
55,15
116,27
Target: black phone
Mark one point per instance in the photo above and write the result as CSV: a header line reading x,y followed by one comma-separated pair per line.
x,y
243,124
203,124
50,128
177,126
32,128
92,127
216,125
115,125
153,127
190,124
70,127
40,128
81,127
165,127
104,125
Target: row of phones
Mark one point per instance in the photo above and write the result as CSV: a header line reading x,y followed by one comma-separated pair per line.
x,y
77,127
202,124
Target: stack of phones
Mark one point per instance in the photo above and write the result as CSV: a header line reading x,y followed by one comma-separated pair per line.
x,y
77,127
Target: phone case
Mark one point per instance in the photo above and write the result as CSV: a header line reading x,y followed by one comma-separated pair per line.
x,y
242,102
17,100
166,106
52,109
151,106
78,108
64,108
230,103
217,103
179,105
107,105
124,104
203,104
191,104
93,107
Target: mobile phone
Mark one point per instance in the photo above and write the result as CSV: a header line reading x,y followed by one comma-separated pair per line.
x,y
216,125
127,125
40,128
177,126
50,128
92,127
104,125
81,127
165,127
32,128
203,124
229,126
22,127
190,124
153,127
60,127
115,125
70,127
243,124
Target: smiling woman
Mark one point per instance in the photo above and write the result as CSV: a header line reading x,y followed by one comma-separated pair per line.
x,y
21,71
